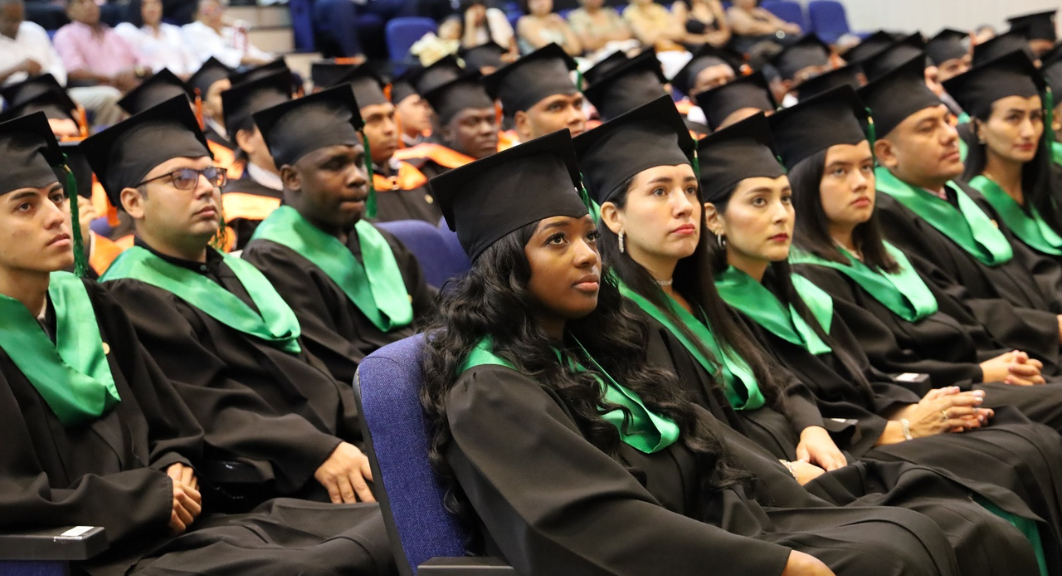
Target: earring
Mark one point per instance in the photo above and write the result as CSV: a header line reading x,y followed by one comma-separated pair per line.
x,y
621,246
721,239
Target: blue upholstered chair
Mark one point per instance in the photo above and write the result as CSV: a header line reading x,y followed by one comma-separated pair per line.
x,y
49,552
828,19
438,258
789,11
402,33
426,539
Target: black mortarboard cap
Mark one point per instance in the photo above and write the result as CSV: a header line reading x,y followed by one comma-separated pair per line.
x,y
898,94
38,94
210,72
1051,68
844,76
294,129
443,71
124,154
79,167
482,56
706,56
648,136
604,66
541,74
1015,39
947,45
257,72
746,92
627,86
870,46
464,92
367,85
488,199
1039,26
28,152
1009,75
806,52
890,58
402,85
240,102
744,150
162,86
813,125
328,73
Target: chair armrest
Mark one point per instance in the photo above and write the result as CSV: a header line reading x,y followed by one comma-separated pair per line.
x,y
465,566
230,472
912,378
54,544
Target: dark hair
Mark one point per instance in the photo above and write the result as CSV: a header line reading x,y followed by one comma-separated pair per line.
x,y
492,300
1035,175
812,232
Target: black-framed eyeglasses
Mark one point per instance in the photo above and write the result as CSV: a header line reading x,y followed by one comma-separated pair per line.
x,y
188,178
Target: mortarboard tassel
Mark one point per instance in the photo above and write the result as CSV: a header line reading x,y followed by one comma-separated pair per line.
x,y
199,110
591,206
82,122
578,80
872,134
696,161
370,202
70,188
1049,116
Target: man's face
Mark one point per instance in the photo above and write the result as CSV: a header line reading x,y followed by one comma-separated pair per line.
x,y
169,215
381,130
414,114
84,11
713,77
252,143
949,69
473,131
211,12
550,114
11,16
331,186
923,150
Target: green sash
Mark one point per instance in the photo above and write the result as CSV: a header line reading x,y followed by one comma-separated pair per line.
x,y
969,226
646,432
71,375
903,293
1056,152
275,322
739,383
755,300
377,288
1029,227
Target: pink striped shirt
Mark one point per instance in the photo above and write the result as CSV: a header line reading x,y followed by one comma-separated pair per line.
x,y
100,51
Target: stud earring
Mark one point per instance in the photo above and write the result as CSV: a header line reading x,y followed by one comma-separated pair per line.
x,y
621,244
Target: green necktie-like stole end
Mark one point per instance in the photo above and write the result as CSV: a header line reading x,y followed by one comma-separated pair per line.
x,y
370,202
81,263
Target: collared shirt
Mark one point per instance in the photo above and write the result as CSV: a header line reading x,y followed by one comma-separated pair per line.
x,y
206,42
209,268
30,42
164,50
98,50
264,177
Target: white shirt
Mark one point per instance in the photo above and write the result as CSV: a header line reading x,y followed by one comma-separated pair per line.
x,y
167,50
205,42
501,31
265,177
31,42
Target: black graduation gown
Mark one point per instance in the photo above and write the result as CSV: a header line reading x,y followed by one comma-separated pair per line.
x,y
282,413
549,502
111,473
244,227
333,328
395,202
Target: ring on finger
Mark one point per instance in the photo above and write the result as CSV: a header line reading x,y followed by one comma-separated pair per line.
x,y
944,416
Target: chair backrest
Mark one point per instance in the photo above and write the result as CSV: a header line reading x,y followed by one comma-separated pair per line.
x,y
387,387
787,10
828,19
401,33
436,254
302,24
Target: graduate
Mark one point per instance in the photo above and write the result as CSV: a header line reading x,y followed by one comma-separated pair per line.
x,y
626,85
950,51
566,452
750,217
892,57
735,101
401,189
638,169
799,62
99,250
1014,39
252,197
871,46
538,95
207,84
849,75
44,94
925,212
1040,28
708,68
328,73
215,325
95,434
353,288
1052,71
412,113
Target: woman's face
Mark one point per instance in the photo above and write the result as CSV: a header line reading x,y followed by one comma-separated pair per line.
x,y
1014,128
758,222
565,267
540,7
661,219
151,12
847,187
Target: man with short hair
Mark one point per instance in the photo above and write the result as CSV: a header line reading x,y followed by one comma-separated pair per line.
x,y
94,53
537,92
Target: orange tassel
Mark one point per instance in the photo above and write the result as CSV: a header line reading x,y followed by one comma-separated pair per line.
x,y
82,121
387,92
199,109
398,128
498,114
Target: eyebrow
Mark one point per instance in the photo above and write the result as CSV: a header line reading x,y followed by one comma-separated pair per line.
x,y
555,224
660,180
16,196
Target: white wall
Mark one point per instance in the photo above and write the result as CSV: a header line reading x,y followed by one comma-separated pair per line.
x,y
930,16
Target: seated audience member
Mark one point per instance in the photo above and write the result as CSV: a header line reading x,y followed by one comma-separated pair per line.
x,y
93,53
709,68
538,94
1040,28
756,31
210,35
598,27
158,44
352,287
950,52
705,22
122,452
43,94
25,49
735,101
798,63
626,86
653,25
480,24
540,26
541,403
207,84
214,324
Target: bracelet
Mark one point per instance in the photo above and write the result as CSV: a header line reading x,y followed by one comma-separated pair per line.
x,y
789,466
906,429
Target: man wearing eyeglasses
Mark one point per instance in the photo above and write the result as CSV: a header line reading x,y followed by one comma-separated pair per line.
x,y
216,326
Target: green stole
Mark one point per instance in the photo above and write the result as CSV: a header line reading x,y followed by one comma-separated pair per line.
x,y
1029,227
757,302
646,431
275,322
739,382
968,226
1056,152
904,293
376,289
71,375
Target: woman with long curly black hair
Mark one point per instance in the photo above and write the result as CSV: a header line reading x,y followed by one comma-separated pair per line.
x,y
566,452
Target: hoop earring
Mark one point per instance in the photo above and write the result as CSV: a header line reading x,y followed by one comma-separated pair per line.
x,y
622,248
721,239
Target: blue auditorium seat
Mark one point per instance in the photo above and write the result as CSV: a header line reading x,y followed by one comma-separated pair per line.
x,y
828,19
401,33
302,24
49,552
426,539
787,10
437,256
